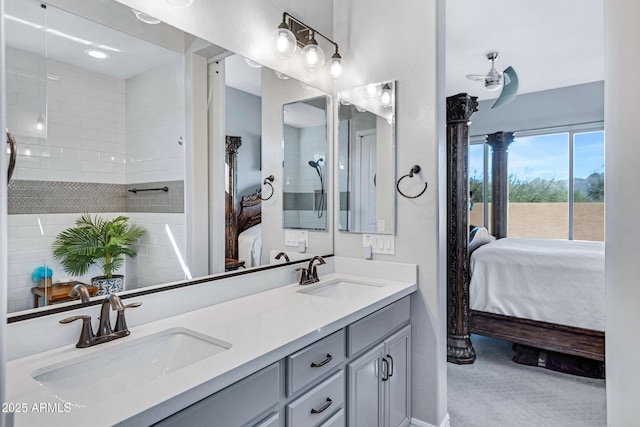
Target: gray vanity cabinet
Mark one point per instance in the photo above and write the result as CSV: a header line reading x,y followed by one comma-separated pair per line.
x,y
379,384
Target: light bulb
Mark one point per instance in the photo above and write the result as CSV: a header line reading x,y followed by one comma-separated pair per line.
x,y
313,56
336,66
39,126
373,90
283,42
386,97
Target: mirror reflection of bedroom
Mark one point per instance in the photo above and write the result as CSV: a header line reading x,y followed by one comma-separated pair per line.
x,y
525,135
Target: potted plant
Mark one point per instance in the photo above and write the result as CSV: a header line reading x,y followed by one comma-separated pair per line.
x,y
97,241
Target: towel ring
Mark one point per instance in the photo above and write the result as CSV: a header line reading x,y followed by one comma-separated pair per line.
x,y
267,181
12,158
414,170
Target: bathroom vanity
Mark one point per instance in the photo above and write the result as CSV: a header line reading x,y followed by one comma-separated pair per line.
x,y
333,353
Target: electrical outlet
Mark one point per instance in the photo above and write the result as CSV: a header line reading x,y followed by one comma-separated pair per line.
x,y
295,237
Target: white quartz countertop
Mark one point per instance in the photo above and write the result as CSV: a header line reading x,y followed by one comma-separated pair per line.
x,y
262,329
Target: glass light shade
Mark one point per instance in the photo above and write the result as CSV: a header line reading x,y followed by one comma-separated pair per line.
x,y
283,42
336,66
385,96
373,90
147,19
312,56
493,86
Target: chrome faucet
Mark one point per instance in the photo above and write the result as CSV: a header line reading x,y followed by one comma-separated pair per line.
x,y
310,274
80,290
105,331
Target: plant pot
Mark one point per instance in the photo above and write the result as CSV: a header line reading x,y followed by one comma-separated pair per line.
x,y
108,286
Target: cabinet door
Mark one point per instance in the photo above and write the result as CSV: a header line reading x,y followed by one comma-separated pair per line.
x,y
364,388
398,384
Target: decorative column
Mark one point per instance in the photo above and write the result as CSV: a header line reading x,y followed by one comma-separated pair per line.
x,y
499,143
232,143
460,108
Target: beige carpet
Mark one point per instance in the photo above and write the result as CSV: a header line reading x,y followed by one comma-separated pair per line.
x,y
496,392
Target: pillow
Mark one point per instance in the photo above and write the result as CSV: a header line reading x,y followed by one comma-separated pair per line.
x,y
479,236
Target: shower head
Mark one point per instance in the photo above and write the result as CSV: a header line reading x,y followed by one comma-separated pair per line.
x,y
316,164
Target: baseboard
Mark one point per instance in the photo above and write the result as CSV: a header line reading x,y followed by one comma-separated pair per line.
x,y
417,423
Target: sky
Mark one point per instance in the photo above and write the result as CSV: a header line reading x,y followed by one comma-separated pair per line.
x,y
547,156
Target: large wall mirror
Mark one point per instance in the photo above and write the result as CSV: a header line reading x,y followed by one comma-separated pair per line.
x,y
366,153
106,108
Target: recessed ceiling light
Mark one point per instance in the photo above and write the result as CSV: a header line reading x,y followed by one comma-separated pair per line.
x,y
180,3
147,19
98,54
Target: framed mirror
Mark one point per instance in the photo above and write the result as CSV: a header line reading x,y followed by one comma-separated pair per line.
x,y
118,136
367,158
304,197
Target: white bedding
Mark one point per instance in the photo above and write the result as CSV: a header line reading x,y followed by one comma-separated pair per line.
x,y
557,281
250,246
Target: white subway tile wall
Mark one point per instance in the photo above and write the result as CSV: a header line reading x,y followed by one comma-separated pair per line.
x,y
98,129
155,123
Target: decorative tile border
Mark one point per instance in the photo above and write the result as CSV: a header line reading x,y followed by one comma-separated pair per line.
x,y
57,197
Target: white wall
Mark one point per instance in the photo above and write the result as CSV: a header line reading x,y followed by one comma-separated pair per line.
x,y
410,58
622,91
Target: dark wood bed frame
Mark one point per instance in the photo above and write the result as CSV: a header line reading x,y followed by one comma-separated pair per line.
x,y
250,212
461,320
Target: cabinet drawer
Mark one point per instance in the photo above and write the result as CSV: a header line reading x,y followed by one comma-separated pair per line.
x,y
314,361
337,420
271,421
236,405
317,404
376,326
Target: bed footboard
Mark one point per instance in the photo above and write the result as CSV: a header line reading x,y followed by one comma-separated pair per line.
x,y
548,336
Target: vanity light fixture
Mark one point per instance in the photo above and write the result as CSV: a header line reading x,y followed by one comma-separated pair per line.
x,y
291,33
147,19
386,98
98,54
40,123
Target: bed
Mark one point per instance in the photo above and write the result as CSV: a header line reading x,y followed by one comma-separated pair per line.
x,y
482,309
243,230
543,293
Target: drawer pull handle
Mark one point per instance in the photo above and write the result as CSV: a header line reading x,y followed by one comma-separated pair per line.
x,y
390,365
325,406
324,362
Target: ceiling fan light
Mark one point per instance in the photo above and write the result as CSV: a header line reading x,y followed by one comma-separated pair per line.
x,y
492,86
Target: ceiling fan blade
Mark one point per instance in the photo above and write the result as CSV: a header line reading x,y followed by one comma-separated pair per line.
x,y
476,77
509,88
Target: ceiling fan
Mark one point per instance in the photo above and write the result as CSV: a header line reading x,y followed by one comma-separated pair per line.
x,y
495,80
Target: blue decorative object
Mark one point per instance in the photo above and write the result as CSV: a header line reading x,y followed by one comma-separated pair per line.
x,y
43,272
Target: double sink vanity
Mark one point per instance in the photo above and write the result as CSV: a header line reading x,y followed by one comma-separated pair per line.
x,y
293,355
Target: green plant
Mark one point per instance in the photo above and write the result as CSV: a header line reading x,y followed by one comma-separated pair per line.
x,y
96,241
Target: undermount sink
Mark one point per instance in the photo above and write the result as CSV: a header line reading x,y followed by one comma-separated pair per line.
x,y
341,289
84,379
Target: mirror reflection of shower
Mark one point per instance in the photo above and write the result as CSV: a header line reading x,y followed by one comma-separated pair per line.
x,y
318,168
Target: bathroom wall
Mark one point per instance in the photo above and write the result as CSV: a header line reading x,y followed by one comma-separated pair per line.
x,y
411,59
244,119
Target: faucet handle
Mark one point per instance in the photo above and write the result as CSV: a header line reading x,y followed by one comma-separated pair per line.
x,y
304,275
121,323
86,334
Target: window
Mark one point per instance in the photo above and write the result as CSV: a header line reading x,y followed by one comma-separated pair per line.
x,y
556,184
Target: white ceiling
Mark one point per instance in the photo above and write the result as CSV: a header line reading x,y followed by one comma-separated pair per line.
x,y
550,43
66,36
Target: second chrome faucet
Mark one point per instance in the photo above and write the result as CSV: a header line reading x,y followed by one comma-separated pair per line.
x,y
105,331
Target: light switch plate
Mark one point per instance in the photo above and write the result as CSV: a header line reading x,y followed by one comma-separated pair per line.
x,y
293,237
380,243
